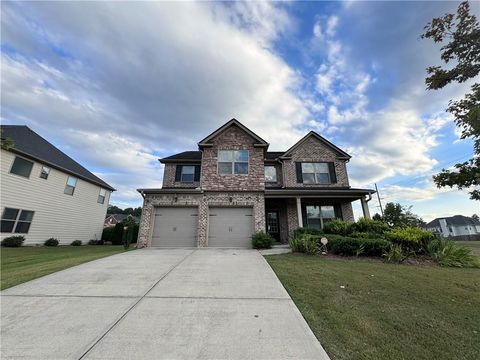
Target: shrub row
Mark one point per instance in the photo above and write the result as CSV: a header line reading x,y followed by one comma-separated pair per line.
x,y
348,246
18,240
365,228
115,234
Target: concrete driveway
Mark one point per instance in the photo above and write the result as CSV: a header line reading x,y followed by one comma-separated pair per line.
x,y
157,304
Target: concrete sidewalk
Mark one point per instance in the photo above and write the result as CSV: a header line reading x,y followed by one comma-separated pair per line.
x,y
157,304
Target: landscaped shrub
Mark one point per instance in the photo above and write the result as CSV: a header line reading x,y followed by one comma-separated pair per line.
x,y
447,253
96,242
396,254
262,240
410,238
306,243
76,243
51,242
347,246
108,233
307,230
13,241
337,226
369,226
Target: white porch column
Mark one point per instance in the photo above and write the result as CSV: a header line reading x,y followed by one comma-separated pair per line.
x,y
366,211
299,212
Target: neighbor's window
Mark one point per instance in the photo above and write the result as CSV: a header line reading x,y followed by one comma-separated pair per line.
x,y
21,167
70,187
188,173
317,216
101,196
44,173
16,220
315,173
270,174
233,162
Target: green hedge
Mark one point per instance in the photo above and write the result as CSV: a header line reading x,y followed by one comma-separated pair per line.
x,y
411,238
262,240
307,230
348,246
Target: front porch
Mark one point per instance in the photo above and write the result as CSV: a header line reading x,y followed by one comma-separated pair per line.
x,y
287,210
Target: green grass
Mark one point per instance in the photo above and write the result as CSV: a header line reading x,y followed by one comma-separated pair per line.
x,y
385,311
22,264
474,245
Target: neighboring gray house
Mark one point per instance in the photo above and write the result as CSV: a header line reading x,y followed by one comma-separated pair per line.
x,y
458,227
45,193
232,186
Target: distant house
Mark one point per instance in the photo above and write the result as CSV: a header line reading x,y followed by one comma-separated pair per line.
x,y
458,227
45,193
114,219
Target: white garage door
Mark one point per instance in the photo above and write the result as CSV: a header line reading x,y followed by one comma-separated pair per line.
x,y
175,227
230,227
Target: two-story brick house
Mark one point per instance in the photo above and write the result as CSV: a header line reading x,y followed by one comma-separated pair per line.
x,y
232,186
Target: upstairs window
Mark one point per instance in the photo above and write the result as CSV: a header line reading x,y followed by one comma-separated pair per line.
x,y
70,186
21,167
16,220
316,173
44,172
270,174
188,173
101,196
233,162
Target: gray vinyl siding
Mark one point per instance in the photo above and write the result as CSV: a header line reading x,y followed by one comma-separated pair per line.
x,y
65,217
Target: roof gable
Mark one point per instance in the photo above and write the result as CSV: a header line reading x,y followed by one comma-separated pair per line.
x,y
342,154
234,122
29,144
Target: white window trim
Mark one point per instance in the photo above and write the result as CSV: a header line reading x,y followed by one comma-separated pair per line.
x,y
104,196
233,162
74,187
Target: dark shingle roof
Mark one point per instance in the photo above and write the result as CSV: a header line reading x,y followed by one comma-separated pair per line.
x,y
30,144
197,156
457,220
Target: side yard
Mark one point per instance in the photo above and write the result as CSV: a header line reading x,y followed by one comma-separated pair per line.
x,y
22,264
474,245
367,309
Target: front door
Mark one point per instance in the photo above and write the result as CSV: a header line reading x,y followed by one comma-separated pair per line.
x,y
272,224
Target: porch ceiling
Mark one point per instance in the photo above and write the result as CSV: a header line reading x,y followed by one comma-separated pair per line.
x,y
346,193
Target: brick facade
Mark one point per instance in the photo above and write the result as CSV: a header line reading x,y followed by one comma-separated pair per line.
x,y
233,138
203,202
216,190
169,178
313,150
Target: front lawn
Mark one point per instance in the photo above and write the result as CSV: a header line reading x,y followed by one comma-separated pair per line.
x,y
26,263
366,309
474,245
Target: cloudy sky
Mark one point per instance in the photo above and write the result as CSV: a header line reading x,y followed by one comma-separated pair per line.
x,y
118,85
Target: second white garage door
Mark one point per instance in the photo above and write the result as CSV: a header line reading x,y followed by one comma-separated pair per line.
x,y
175,227
230,227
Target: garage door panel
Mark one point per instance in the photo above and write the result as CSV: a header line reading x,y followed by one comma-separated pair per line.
x,y
230,227
175,227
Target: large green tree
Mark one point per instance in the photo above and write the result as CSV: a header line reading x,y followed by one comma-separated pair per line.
x,y
397,215
459,35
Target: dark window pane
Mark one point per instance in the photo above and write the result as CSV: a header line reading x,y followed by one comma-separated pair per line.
x,y
241,168
187,178
101,199
22,227
21,167
224,168
10,213
308,178
328,212
7,226
188,169
313,212
314,222
26,215
323,178
69,190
